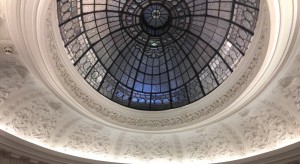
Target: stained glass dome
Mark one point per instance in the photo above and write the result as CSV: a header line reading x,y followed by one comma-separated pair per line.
x,y
156,55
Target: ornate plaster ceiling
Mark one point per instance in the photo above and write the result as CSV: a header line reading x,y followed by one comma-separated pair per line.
x,y
43,102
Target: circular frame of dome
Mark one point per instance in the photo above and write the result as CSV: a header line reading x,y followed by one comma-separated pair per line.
x,y
153,67
221,102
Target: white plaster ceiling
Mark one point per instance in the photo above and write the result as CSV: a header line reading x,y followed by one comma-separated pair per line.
x,y
39,105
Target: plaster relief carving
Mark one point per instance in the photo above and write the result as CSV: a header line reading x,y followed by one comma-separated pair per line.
x,y
13,106
4,93
286,82
13,76
118,144
178,147
244,112
290,87
7,50
211,143
148,147
33,117
236,138
198,148
255,133
267,129
284,113
89,138
63,129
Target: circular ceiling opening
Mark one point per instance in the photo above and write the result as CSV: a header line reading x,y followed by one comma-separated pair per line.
x,y
156,55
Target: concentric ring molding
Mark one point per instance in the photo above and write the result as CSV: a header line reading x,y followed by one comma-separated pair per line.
x,y
90,103
167,44
250,131
154,120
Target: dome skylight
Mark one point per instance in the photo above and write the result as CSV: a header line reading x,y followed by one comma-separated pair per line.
x,y
156,55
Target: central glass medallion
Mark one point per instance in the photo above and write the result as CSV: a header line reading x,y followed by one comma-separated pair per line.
x,y
158,24
155,19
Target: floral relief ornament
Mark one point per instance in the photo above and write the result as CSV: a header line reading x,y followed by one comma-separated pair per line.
x,y
34,116
267,129
13,77
148,148
211,144
89,138
290,87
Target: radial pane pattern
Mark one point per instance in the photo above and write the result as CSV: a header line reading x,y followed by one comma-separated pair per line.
x,y
156,55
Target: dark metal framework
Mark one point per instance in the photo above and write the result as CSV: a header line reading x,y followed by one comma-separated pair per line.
x,y
156,54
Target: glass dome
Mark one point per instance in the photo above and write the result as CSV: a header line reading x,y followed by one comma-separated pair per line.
x,y
156,55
